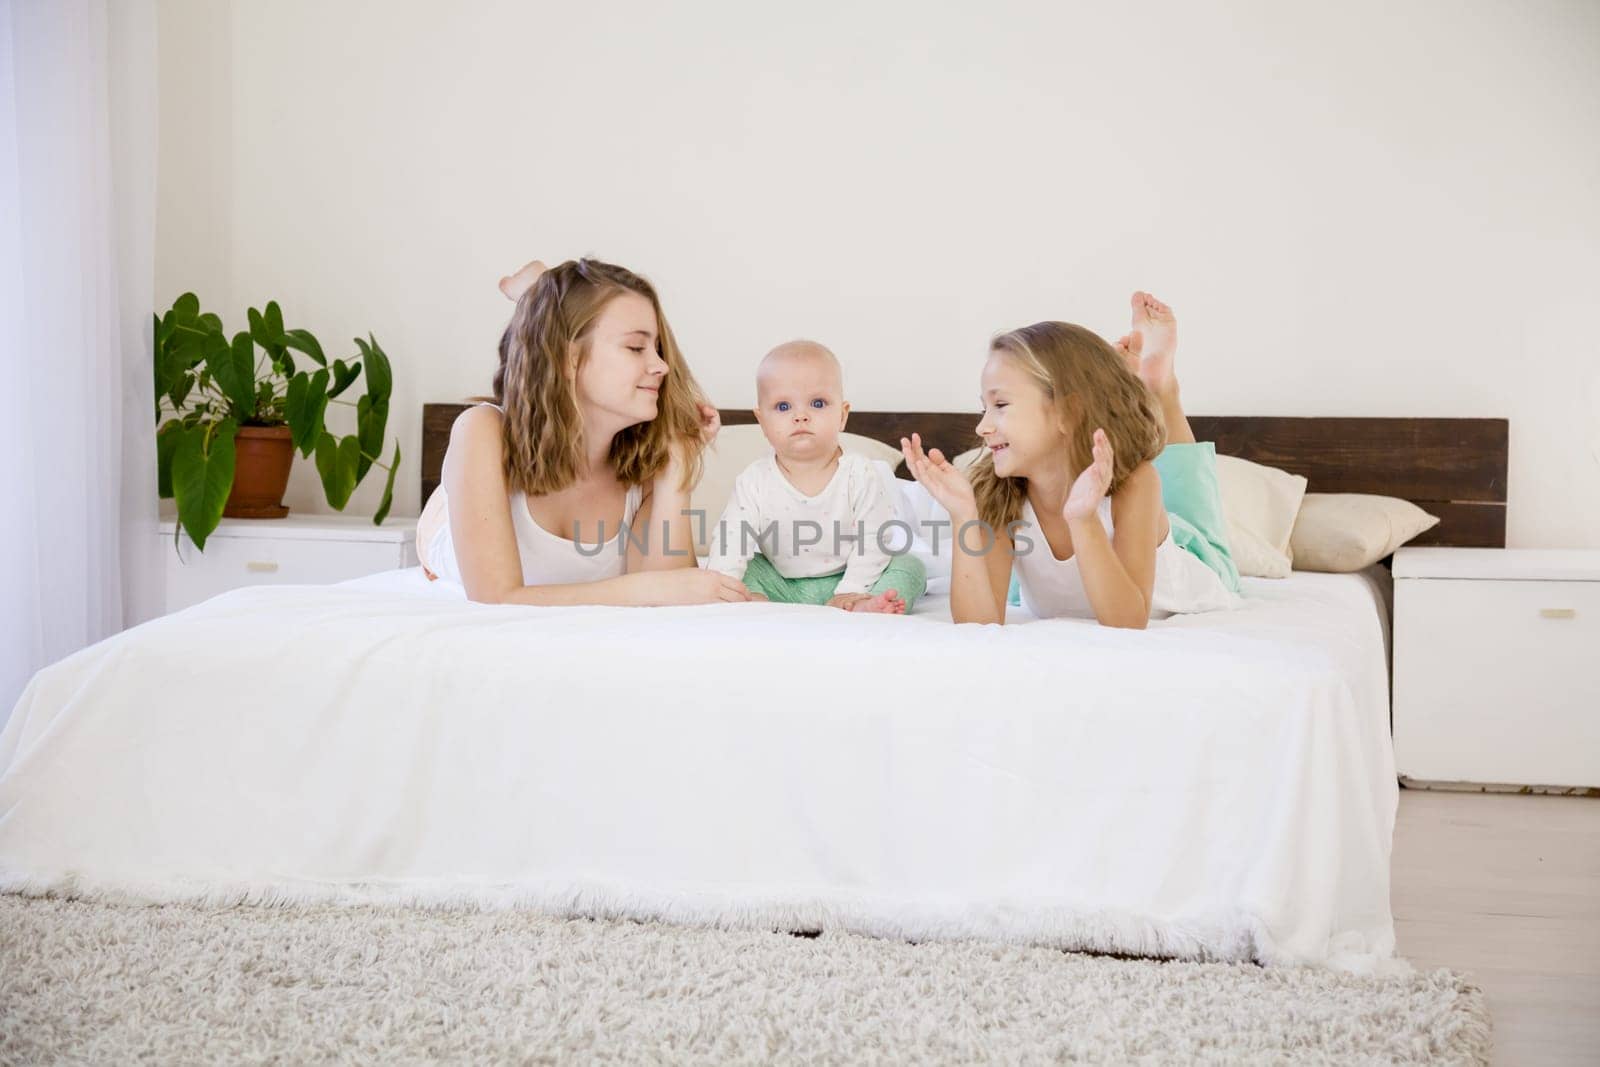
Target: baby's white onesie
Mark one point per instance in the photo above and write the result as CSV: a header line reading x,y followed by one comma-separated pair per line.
x,y
807,536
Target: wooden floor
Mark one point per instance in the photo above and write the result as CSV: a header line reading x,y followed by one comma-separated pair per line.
x,y
1507,887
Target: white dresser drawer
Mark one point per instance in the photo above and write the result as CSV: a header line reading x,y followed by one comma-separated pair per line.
x,y
1497,681
308,550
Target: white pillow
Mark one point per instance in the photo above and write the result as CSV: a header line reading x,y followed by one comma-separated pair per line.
x,y
735,448
1259,504
967,458
1341,532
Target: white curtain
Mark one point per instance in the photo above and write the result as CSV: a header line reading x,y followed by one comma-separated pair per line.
x,y
79,552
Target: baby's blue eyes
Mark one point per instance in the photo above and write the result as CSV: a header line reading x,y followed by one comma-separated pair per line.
x,y
819,404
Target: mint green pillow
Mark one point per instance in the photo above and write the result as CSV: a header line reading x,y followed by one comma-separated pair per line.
x,y
1193,499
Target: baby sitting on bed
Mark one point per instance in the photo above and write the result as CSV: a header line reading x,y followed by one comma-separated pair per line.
x,y
804,525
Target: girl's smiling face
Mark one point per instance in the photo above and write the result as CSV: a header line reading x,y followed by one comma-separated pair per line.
x,y
1020,424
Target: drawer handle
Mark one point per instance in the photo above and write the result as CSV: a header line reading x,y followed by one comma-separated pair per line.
x,y
1558,613
261,566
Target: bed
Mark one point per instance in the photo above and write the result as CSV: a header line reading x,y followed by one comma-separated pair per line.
x,y
1216,787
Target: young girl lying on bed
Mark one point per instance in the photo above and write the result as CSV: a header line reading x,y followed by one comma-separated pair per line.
x,y
597,427
1068,489
825,510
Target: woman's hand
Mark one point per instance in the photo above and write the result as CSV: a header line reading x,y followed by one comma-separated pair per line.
x,y
710,422
691,585
1083,499
949,486
678,451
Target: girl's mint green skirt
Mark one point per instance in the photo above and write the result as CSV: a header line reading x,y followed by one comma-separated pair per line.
x,y
1193,499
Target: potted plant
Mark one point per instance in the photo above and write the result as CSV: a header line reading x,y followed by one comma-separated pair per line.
x,y
229,417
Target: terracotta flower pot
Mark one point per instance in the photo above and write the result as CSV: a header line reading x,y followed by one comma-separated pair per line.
x,y
262,457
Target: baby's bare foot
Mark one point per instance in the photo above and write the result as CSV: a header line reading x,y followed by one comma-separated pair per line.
x,y
1157,328
887,602
514,285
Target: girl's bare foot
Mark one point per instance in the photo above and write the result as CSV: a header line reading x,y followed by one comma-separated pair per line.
x,y
887,602
514,285
1128,346
1157,329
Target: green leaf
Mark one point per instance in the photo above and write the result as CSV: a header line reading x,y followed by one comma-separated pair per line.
x,y
304,407
233,368
303,341
336,465
202,476
186,307
371,418
163,373
380,379
267,331
210,323
388,488
167,439
344,376
165,328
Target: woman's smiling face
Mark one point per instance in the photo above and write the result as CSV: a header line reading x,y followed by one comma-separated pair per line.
x,y
623,371
1020,425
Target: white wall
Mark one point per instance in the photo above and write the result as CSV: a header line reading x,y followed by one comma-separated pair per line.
x,y
1364,208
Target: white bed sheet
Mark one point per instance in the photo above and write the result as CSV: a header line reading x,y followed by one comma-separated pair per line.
x,y
1218,786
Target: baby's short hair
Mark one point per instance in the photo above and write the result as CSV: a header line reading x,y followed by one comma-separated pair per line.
x,y
799,349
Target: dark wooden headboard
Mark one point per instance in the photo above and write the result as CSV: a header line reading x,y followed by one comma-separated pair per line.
x,y
1452,468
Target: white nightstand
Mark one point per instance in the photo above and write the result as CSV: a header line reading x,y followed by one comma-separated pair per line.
x,y
299,549
1497,667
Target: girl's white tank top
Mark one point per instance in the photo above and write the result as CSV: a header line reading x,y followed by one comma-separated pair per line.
x,y
546,558
1054,587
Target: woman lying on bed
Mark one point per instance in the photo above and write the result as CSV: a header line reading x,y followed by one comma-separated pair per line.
x,y
1068,490
597,426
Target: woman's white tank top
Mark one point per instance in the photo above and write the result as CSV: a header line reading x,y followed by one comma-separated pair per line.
x,y
1054,587
546,558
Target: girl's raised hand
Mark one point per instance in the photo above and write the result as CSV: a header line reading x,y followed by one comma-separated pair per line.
x,y
943,481
1083,499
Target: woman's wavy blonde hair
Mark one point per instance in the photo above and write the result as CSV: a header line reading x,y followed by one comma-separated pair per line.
x,y
550,331
1090,386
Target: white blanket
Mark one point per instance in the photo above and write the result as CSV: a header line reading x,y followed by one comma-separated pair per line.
x,y
1215,787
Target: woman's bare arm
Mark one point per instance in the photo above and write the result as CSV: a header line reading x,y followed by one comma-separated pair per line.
x,y
665,524
486,543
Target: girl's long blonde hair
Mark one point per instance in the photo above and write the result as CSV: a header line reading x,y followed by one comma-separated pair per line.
x,y
1089,386
543,427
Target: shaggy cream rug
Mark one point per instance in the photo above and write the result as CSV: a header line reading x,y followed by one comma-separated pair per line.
x,y
96,983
